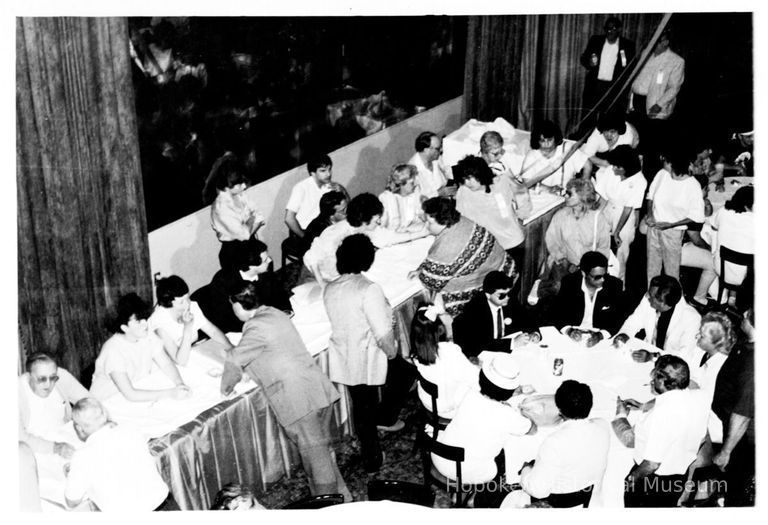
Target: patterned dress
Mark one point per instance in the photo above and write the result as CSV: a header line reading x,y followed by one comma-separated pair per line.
x,y
458,261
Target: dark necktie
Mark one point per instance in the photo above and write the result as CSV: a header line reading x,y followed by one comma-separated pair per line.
x,y
704,359
499,324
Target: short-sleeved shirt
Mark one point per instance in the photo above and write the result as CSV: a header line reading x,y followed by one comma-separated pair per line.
x,y
430,178
481,426
596,142
620,194
163,318
121,355
675,200
116,471
305,200
671,432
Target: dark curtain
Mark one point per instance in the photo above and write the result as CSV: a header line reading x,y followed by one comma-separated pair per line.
x,y
526,67
82,235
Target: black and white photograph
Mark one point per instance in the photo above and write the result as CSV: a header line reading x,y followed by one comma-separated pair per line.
x,y
376,259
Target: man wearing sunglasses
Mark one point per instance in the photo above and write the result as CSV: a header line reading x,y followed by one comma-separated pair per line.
x,y
46,393
590,298
488,317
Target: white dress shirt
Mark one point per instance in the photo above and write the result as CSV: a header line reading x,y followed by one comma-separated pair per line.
x,y
589,304
608,59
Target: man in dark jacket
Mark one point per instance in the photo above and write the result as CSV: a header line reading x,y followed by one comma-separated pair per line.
x,y
590,297
488,317
605,58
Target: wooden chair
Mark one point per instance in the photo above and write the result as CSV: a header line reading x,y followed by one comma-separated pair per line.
x,y
402,491
431,416
461,493
733,257
316,502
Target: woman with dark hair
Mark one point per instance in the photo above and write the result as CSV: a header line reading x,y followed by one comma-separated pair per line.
x,y
545,163
733,226
402,200
232,217
129,355
488,199
46,393
461,256
362,350
621,187
484,421
675,200
440,362
612,131
176,320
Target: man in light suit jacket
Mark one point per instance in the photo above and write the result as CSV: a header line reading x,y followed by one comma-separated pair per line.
x,y
593,292
489,316
668,321
299,393
605,58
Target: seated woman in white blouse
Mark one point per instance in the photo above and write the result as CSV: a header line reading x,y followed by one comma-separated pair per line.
x,y
46,393
440,362
402,201
546,162
176,320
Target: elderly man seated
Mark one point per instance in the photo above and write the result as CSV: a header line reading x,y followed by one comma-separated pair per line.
x,y
666,438
114,469
128,356
665,319
46,393
573,458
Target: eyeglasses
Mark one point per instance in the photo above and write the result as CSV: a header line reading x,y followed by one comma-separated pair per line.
x,y
45,379
597,277
502,295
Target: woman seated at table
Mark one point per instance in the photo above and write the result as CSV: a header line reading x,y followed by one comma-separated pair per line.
x,y
440,362
461,256
577,228
127,357
545,163
46,393
484,421
487,199
402,201
733,227
176,320
612,131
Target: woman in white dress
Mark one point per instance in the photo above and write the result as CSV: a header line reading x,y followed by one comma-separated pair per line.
x,y
176,320
402,201
440,362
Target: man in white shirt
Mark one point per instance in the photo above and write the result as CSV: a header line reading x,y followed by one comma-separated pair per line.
x,y
573,458
114,469
499,159
666,438
669,323
432,175
304,203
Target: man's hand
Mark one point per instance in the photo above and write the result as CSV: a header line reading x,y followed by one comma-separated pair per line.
x,y
655,109
622,408
64,450
181,392
722,459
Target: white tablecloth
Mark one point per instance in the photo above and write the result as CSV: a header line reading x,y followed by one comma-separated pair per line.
x,y
609,372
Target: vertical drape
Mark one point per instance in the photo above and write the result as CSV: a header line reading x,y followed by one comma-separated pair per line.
x,y
492,67
82,236
524,68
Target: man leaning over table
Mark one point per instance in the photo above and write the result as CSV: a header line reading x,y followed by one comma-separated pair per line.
x,y
666,437
433,176
573,458
301,396
667,321
114,469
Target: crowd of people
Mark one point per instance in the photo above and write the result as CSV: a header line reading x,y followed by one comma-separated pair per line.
x,y
464,338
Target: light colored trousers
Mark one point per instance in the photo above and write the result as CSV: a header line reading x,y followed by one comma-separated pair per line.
x,y
695,257
664,249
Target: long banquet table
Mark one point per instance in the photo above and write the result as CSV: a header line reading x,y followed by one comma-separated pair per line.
x,y
206,441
